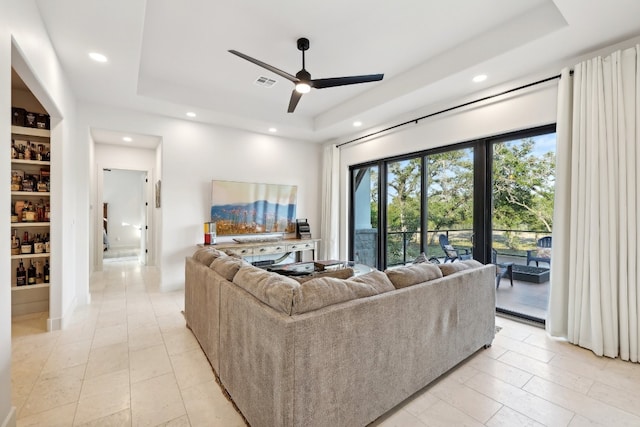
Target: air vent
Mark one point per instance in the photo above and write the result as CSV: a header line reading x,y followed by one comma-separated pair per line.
x,y
265,81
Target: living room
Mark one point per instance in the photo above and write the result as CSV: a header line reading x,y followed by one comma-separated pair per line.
x,y
192,152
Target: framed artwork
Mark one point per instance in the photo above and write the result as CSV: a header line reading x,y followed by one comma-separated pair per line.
x,y
248,208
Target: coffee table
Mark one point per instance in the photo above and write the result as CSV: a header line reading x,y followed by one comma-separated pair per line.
x,y
530,274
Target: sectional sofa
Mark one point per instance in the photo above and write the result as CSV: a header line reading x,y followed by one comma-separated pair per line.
x,y
334,351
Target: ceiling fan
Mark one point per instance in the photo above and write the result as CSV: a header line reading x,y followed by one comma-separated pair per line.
x,y
303,81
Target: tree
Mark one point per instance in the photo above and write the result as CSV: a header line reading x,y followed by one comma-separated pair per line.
x,y
403,212
450,191
523,187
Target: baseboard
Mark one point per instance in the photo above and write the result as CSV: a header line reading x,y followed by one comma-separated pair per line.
x,y
55,324
10,421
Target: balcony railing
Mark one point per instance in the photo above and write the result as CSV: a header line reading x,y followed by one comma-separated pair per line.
x,y
404,246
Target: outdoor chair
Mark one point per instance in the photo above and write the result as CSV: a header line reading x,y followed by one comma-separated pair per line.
x,y
542,253
503,269
451,253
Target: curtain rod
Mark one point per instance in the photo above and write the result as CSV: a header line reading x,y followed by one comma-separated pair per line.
x,y
446,110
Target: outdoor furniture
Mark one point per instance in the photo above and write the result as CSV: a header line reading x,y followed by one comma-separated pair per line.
x,y
503,269
451,253
542,253
531,274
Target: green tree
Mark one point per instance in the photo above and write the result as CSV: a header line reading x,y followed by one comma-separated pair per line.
x,y
403,211
450,191
523,188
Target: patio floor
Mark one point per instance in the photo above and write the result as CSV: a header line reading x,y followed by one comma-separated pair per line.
x,y
530,299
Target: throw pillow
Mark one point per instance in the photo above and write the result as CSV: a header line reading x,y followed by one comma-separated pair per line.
x,y
207,255
421,258
343,273
543,252
273,289
454,267
227,266
401,277
377,279
325,291
450,251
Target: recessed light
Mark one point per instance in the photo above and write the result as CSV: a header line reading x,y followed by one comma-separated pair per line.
x,y
357,124
127,139
191,114
98,57
480,78
272,130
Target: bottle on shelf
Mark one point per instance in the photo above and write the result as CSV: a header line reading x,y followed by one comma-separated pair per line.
x,y
15,243
38,245
45,271
21,275
39,273
25,246
31,274
47,243
14,149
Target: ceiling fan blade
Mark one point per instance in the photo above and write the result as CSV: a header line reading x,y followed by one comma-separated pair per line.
x,y
293,102
342,81
265,65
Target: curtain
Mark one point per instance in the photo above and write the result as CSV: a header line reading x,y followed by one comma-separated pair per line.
x,y
329,223
594,299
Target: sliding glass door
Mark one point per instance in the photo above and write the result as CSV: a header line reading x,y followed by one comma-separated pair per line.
x,y
449,200
523,179
491,199
364,213
403,211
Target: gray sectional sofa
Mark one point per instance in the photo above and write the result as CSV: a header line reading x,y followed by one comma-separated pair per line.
x,y
333,351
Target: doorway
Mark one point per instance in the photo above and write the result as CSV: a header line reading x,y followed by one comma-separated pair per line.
x,y
124,219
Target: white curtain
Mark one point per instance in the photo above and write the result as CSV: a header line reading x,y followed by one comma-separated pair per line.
x,y
330,203
594,299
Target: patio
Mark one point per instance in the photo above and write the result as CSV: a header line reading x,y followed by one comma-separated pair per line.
x,y
527,298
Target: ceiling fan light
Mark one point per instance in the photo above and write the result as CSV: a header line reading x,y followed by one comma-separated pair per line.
x,y
303,87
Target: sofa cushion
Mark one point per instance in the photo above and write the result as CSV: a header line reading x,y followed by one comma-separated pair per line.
x,y
454,267
401,277
325,291
227,266
343,273
377,279
206,256
273,289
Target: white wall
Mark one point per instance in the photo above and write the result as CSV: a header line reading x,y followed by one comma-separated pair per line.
x,y
36,62
119,157
193,154
123,191
523,110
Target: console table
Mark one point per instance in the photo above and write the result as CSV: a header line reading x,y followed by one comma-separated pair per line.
x,y
285,246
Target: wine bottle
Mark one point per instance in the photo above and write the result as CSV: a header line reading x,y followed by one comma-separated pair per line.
x,y
46,271
31,274
21,275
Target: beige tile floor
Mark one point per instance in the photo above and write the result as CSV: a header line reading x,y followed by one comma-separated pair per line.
x,y
128,360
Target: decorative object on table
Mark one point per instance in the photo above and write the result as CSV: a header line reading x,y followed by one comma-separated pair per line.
x,y
249,208
303,231
209,233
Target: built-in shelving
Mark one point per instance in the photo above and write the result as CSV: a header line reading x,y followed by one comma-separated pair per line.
x,y
32,298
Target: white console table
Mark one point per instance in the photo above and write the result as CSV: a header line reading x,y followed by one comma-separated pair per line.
x,y
285,246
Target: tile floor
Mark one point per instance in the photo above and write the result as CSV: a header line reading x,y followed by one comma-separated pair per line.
x,y
128,360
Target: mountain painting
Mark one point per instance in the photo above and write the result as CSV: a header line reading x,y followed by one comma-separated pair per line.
x,y
247,208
